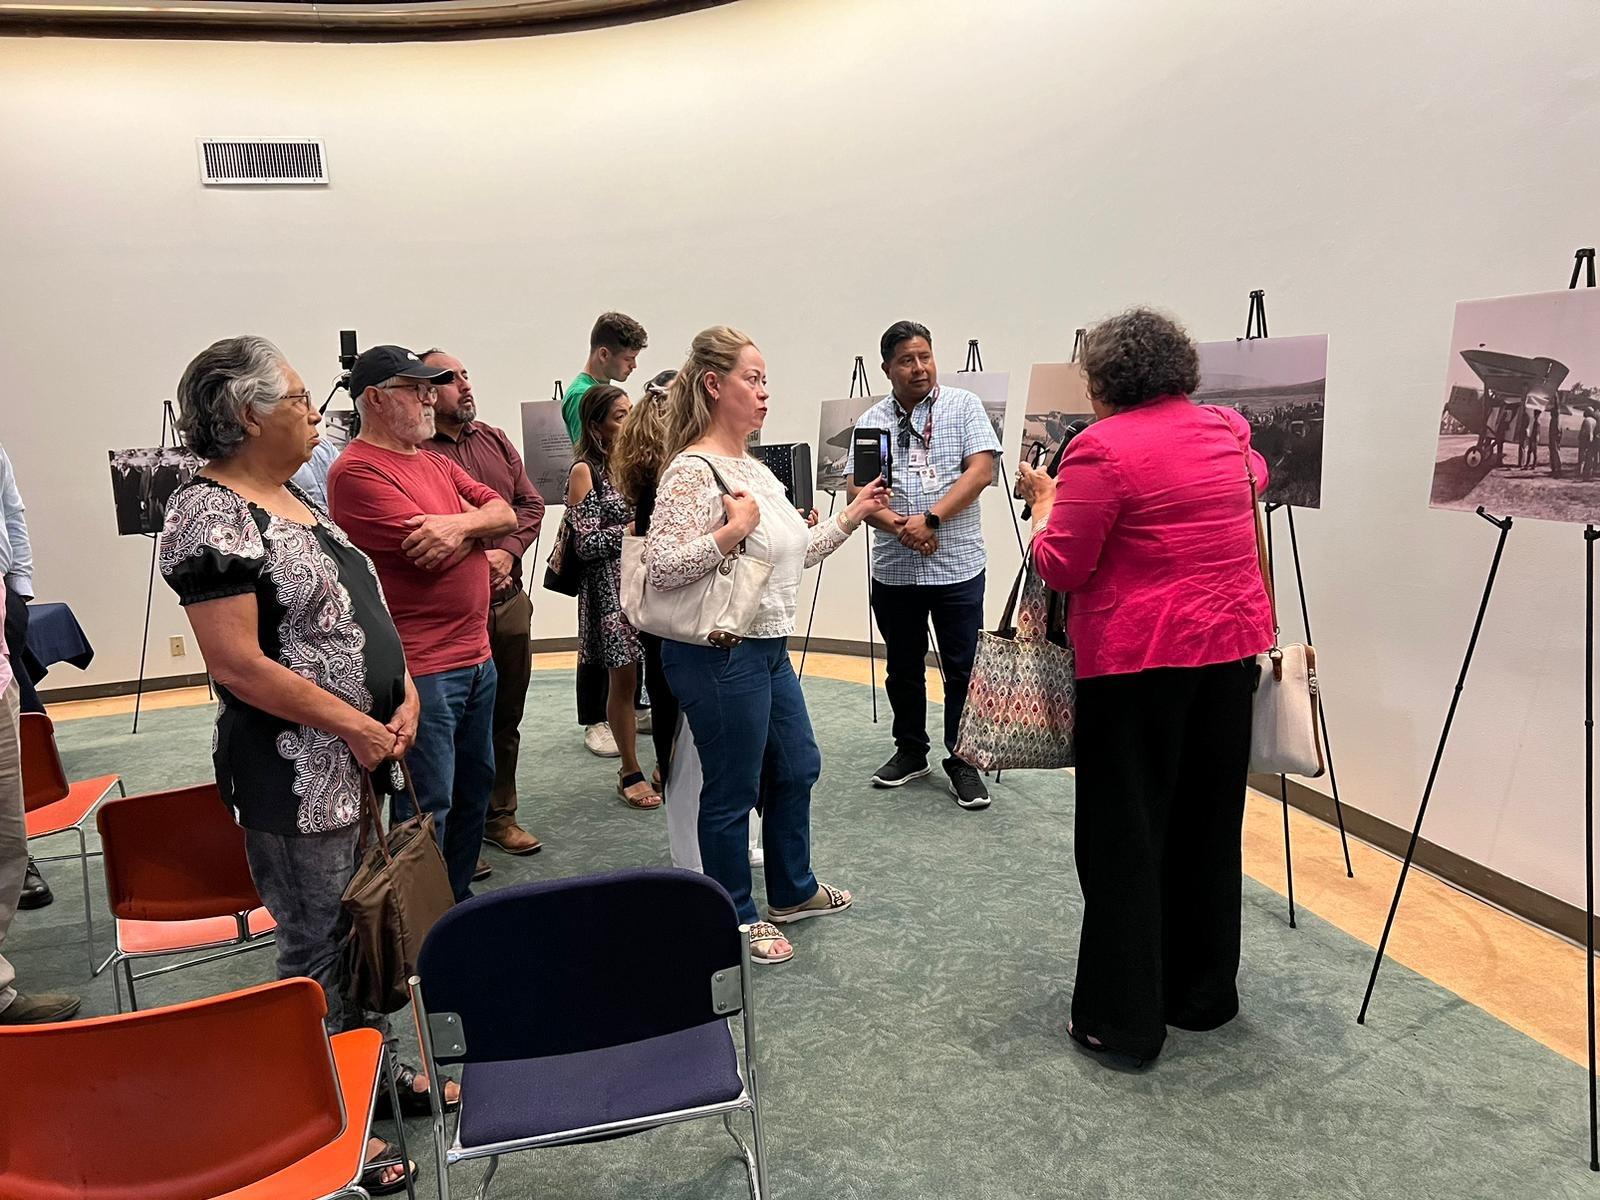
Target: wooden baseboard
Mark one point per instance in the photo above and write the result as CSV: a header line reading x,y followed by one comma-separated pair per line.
x,y
1502,891
127,687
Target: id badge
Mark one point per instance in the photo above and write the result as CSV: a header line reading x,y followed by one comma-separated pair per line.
x,y
918,459
929,476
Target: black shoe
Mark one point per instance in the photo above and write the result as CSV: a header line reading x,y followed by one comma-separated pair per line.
x,y
412,1102
966,785
36,892
901,769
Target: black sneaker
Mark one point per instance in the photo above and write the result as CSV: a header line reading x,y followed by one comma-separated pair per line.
x,y
902,768
966,785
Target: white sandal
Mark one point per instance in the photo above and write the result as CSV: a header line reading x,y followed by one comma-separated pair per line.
x,y
770,934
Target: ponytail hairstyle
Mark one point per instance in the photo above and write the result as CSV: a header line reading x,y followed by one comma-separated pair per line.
x,y
715,351
636,455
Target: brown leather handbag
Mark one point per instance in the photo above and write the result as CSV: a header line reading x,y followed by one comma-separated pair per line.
x,y
400,888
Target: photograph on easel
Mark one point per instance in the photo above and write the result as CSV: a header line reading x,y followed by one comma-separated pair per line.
x,y
1279,385
838,423
143,480
546,448
1058,395
1519,432
993,388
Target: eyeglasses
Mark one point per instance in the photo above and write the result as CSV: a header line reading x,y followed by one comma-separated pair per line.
x,y
424,391
303,399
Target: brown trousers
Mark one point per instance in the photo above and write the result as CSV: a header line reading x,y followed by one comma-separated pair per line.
x,y
511,645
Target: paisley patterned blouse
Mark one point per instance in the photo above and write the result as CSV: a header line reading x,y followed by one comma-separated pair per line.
x,y
322,615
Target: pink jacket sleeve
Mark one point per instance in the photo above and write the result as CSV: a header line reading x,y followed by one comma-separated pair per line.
x,y
1088,498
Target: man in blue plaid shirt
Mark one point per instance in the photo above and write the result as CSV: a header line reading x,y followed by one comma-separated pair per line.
x,y
928,556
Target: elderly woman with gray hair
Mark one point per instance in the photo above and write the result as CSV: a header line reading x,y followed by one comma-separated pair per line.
x,y
312,688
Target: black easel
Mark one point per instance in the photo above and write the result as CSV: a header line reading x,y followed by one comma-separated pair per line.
x,y
1255,326
860,385
169,423
1582,267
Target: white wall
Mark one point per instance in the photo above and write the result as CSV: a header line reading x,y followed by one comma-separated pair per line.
x,y
811,170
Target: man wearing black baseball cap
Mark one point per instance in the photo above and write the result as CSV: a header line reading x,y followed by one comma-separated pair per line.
x,y
423,521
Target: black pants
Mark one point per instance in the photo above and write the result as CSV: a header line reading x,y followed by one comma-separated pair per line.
x,y
1162,760
594,685
663,704
903,612
17,640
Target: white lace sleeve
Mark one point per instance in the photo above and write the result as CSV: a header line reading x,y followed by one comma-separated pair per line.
x,y
827,537
681,548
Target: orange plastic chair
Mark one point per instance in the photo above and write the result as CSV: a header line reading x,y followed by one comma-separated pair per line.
x,y
55,805
242,1096
178,881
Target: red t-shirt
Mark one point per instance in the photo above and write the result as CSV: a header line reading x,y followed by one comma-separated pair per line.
x,y
443,616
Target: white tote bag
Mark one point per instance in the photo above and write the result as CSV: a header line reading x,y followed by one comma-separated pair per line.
x,y
1285,723
717,608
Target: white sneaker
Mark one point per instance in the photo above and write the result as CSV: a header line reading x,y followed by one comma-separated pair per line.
x,y
641,717
600,742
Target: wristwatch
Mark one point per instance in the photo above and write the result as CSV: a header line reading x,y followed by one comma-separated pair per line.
x,y
932,518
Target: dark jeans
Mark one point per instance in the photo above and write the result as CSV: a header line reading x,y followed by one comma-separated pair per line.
x,y
1162,760
664,708
748,717
903,613
511,644
452,764
17,640
301,877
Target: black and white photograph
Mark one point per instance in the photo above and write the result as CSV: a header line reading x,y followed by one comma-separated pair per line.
x,y
1058,395
993,388
142,481
1279,385
1520,429
546,448
837,424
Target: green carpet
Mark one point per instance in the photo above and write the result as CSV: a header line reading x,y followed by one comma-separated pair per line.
x,y
916,1047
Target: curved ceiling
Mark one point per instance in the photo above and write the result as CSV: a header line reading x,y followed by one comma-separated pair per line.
x,y
386,19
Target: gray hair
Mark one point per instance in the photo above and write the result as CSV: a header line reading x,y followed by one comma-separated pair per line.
x,y
361,400
223,381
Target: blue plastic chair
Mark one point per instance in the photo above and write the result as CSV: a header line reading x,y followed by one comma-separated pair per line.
x,y
564,1039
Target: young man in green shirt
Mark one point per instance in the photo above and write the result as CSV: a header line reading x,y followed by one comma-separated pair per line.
x,y
614,346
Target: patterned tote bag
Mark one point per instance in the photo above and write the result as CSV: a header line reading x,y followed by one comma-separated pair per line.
x,y
1023,698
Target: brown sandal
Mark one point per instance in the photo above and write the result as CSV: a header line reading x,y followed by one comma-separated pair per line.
x,y
651,799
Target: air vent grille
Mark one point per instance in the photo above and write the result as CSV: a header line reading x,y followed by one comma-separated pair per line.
x,y
293,162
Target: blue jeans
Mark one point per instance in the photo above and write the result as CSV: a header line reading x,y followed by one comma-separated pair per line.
x,y
749,721
452,764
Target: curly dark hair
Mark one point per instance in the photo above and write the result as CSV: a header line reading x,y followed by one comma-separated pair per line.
x,y
1137,356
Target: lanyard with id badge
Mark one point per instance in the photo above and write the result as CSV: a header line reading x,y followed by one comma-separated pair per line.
x,y
919,457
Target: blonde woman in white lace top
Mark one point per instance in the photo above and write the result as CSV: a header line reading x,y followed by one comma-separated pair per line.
x,y
743,704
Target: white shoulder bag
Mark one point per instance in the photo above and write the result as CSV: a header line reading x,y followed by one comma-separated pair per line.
x,y
717,608
1285,733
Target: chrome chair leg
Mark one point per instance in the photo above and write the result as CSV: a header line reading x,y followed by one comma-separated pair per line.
x,y
399,1121
133,998
488,1177
744,1153
116,981
88,906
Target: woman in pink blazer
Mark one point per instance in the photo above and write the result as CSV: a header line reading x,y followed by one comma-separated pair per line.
x,y
1150,526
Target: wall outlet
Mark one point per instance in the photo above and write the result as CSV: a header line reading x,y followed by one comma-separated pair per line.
x,y
176,646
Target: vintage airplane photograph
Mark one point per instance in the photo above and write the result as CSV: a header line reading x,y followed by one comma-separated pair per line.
x,y
1520,429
